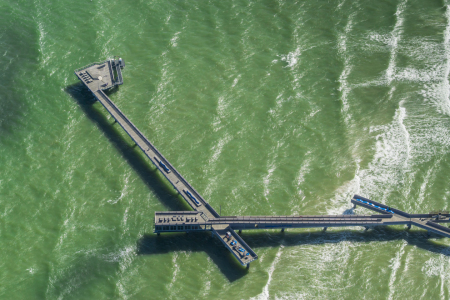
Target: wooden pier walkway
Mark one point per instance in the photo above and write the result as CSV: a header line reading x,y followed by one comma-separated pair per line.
x,y
105,75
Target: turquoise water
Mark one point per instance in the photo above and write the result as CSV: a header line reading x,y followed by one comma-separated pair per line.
x,y
267,108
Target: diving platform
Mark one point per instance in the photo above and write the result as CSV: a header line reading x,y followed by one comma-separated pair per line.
x,y
102,76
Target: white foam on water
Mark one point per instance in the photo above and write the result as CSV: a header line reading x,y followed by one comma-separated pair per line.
x,y
265,293
341,3
274,119
444,104
304,170
405,133
426,179
343,83
325,268
174,39
176,269
236,80
105,29
274,112
385,39
122,291
39,17
415,75
206,286
271,167
266,179
222,113
340,202
384,172
392,41
292,58
438,267
163,95
300,178
125,258
217,148
392,150
125,189
124,219
41,43
396,36
212,162
77,277
420,49
293,296
345,89
395,264
400,147
67,226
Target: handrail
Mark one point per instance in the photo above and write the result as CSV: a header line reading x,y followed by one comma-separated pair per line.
x,y
90,65
440,227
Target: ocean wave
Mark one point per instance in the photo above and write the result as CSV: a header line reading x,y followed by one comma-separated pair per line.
x,y
396,36
344,87
265,293
395,264
443,100
292,58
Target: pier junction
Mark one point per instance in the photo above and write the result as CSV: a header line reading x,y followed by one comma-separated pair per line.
x,y
104,75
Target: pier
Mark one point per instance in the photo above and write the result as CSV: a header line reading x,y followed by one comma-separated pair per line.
x,y
107,74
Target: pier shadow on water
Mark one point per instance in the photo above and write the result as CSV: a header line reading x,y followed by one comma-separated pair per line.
x,y
165,193
152,244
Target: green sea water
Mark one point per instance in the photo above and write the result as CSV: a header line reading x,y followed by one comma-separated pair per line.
x,y
265,107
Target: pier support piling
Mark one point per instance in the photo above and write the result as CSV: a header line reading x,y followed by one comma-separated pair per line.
x,y
282,229
325,228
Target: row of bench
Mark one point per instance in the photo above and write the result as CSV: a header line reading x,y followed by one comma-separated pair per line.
x,y
376,206
181,227
86,77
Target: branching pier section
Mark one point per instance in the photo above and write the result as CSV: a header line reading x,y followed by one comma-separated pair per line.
x,y
107,74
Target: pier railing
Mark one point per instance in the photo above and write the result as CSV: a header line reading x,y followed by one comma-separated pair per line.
x,y
90,65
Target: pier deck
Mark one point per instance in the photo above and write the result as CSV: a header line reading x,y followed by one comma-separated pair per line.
x,y
105,75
